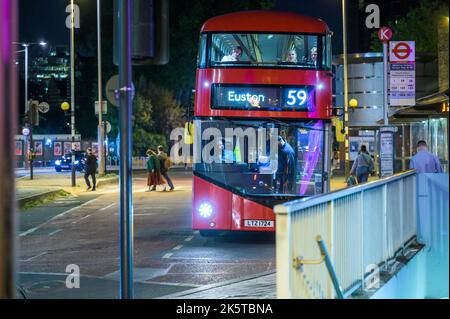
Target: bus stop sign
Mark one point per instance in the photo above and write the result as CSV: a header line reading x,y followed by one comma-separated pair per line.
x,y
385,34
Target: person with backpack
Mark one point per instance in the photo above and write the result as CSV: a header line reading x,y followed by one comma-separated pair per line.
x,y
165,166
363,165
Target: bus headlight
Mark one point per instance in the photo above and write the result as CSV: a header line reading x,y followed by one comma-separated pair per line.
x,y
205,210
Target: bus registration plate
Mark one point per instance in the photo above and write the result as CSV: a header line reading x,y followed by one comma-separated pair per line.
x,y
258,223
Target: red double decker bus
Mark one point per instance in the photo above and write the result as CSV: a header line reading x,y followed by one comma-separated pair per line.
x,y
267,74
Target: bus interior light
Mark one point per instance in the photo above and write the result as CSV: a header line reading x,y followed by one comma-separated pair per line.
x,y
205,210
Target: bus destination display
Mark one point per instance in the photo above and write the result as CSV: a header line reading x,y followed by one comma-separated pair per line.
x,y
264,98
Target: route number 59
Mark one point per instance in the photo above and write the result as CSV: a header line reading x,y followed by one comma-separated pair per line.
x,y
296,97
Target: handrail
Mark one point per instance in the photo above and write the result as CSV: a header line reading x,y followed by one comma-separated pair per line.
x,y
306,202
334,279
362,226
325,257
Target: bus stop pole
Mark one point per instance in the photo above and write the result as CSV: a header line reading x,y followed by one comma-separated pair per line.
x,y
126,205
8,119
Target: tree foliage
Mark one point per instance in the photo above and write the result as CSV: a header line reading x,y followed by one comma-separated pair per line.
x,y
420,25
155,114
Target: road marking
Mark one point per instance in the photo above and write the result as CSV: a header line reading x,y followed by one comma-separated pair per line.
x,y
29,231
168,255
32,230
149,208
63,203
172,284
54,232
189,238
150,214
177,247
79,220
109,206
146,214
34,257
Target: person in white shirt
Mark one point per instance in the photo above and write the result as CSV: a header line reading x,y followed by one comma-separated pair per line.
x,y
424,161
235,55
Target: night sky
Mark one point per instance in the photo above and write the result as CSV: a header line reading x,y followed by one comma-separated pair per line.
x,y
45,19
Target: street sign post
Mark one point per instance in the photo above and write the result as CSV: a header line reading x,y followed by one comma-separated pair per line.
x,y
385,34
112,89
402,73
125,90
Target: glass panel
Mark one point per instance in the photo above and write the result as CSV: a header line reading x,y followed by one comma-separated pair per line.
x,y
248,165
439,140
265,50
201,59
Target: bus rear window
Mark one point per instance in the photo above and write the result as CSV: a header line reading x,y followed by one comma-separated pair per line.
x,y
266,50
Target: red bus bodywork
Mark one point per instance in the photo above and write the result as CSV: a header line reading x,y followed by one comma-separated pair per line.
x,y
230,210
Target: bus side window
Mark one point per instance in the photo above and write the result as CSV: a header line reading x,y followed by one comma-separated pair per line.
x,y
201,58
326,52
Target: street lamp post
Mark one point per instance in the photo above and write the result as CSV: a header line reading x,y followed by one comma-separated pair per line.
x,y
346,117
101,168
72,87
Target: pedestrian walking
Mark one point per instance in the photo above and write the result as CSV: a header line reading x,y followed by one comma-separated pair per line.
x,y
363,165
424,161
153,171
165,165
90,169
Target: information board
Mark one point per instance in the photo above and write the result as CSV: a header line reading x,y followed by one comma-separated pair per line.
x,y
402,80
387,151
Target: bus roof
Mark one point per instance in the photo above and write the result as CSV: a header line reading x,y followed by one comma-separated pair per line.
x,y
268,21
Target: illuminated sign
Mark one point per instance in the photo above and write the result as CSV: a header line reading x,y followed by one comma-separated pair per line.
x,y
264,98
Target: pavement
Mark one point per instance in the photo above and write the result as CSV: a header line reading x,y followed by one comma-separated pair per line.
x,y
47,182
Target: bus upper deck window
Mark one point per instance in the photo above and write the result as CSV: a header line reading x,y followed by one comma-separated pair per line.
x,y
201,59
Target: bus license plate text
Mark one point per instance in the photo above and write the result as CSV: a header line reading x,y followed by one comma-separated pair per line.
x,y
258,223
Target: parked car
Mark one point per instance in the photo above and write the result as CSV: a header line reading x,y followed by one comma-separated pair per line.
x,y
65,162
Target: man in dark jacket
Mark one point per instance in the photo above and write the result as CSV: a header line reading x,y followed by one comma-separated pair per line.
x,y
165,165
90,169
286,166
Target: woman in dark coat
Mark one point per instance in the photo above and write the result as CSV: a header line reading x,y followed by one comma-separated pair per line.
x,y
153,171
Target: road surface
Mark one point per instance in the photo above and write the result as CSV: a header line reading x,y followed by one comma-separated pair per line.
x,y
168,256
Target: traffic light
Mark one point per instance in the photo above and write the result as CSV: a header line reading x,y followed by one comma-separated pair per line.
x,y
150,32
33,113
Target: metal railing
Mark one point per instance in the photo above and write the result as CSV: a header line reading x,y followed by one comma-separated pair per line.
x,y
363,227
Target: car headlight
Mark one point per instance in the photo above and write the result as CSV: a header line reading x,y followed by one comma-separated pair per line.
x,y
58,162
77,162
205,210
